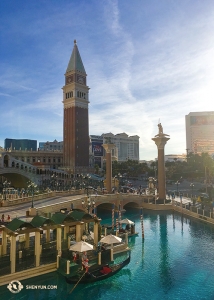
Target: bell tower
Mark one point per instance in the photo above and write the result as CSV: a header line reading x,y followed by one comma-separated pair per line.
x,y
75,123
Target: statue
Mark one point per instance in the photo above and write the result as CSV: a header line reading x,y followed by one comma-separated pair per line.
x,y
160,128
160,133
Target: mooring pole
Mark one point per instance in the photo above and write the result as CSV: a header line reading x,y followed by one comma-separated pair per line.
x,y
112,215
141,220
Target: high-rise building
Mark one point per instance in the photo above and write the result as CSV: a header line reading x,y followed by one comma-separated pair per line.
x,y
75,101
20,144
200,132
127,146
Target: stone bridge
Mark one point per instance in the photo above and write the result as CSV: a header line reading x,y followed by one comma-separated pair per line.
x,y
126,201
19,172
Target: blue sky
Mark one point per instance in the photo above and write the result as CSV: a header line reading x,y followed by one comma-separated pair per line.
x,y
145,60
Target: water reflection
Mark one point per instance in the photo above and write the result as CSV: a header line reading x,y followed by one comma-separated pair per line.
x,y
182,225
100,289
173,220
164,267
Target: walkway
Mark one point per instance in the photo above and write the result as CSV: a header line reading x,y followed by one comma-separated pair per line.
x,y
20,209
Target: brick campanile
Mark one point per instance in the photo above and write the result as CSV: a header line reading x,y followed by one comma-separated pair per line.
x,y
75,124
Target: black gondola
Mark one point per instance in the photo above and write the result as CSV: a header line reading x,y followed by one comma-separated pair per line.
x,y
100,273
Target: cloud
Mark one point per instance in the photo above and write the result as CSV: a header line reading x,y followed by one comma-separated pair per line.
x,y
145,62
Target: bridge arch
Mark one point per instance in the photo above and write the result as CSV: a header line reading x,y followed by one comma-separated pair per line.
x,y
131,205
6,160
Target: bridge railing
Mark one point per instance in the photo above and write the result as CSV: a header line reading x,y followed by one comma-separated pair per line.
x,y
17,199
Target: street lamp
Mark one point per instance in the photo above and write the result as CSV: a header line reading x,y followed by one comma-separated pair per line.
x,y
89,204
177,183
6,185
192,186
32,188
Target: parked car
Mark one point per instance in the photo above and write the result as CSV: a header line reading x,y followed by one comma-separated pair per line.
x,y
204,195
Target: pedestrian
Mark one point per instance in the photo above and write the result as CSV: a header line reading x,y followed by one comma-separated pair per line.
x,y
2,218
8,218
74,257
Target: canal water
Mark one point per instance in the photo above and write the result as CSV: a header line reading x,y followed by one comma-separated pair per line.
x,y
175,261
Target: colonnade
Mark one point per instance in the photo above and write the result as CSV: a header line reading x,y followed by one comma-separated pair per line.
x,y
62,231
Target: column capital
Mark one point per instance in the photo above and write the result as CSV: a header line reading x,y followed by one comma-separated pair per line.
x,y
160,141
108,147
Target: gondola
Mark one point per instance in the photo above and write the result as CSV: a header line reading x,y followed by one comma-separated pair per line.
x,y
100,273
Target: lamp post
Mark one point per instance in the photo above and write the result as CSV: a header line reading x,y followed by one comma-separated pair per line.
x,y
192,186
6,185
177,183
54,181
89,204
32,188
155,169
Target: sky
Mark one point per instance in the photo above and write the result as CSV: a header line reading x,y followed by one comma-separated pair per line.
x,y
147,61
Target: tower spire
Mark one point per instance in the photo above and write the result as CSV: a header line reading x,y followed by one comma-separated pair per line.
x,y
75,62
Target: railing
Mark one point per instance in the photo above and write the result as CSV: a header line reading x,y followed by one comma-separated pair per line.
x,y
28,198
4,264
196,212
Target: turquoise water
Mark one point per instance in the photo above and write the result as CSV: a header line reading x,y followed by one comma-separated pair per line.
x,y
175,261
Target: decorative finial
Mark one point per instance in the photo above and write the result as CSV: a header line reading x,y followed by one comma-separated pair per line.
x,y
75,41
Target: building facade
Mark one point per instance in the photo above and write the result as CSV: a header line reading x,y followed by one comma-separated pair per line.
x,y
127,146
49,146
75,123
96,150
200,132
49,159
20,144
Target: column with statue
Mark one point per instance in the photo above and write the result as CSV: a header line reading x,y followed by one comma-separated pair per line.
x,y
160,140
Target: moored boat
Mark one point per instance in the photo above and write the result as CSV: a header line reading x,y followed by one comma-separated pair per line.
x,y
98,273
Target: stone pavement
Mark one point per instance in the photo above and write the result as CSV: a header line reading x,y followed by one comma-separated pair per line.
x,y
19,210
185,200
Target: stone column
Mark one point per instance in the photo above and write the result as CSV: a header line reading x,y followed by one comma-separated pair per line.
x,y
59,238
37,248
48,235
27,240
108,148
65,232
4,242
78,232
96,226
13,253
160,140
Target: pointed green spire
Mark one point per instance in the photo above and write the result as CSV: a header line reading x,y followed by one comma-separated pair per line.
x,y
75,62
